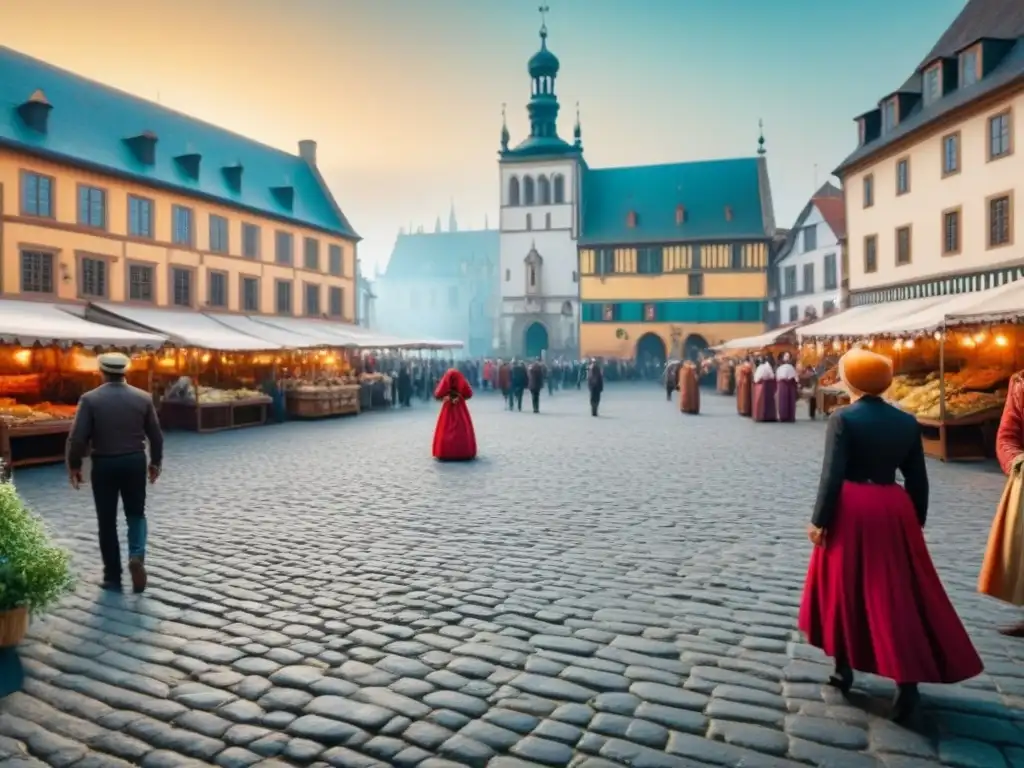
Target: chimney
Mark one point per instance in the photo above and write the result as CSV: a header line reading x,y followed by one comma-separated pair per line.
x,y
307,151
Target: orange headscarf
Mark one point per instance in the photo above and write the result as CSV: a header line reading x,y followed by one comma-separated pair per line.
x,y
865,372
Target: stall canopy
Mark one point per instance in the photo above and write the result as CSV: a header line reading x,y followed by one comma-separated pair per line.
x,y
187,329
867,319
1004,307
353,336
938,314
28,323
270,333
768,339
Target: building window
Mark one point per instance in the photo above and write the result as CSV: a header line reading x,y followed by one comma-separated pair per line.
x,y
140,283
1000,138
218,234
951,154
831,275
92,207
335,301
312,299
903,176
36,195
871,253
528,188
92,277
1000,221
736,253
789,281
37,272
608,312
605,261
794,313
547,221
140,217
932,91
559,184
650,313
529,221
810,235
902,246
335,262
181,287
250,241
216,288
575,276
283,244
695,284
543,190
508,275
311,254
283,297
869,190
453,296
250,294
182,232
650,260
808,278
828,307
513,191
969,67
951,232
889,115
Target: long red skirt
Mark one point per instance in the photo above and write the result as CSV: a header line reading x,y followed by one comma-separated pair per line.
x,y
764,400
873,598
454,436
787,394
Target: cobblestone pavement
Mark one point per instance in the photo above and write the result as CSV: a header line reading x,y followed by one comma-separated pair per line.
x,y
592,592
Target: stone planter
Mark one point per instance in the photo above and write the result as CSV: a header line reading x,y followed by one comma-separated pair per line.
x,y
13,626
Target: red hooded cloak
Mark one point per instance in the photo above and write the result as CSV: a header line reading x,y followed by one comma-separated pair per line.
x,y
454,437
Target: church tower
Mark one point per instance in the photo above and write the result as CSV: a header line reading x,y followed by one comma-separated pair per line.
x,y
539,222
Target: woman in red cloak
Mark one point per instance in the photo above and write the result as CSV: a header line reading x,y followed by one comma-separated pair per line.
x,y
454,437
873,600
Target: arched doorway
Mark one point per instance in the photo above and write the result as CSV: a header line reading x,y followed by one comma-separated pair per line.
x,y
650,349
694,345
535,340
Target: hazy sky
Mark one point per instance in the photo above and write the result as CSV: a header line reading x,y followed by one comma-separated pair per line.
x,y
404,96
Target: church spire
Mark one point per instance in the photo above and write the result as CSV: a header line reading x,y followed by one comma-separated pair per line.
x,y
453,225
577,131
760,139
543,68
504,129
437,225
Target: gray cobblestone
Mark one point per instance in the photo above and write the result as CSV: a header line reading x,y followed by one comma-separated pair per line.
x,y
568,604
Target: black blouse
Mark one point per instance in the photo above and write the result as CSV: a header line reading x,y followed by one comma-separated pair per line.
x,y
867,442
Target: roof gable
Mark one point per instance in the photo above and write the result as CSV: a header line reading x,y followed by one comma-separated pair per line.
x,y
440,255
833,211
90,122
719,199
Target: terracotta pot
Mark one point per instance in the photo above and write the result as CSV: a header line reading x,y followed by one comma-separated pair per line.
x,y
13,626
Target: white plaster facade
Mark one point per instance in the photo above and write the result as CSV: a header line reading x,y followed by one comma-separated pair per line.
x,y
809,269
539,267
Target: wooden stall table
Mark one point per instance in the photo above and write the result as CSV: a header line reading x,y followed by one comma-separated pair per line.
x,y
214,416
29,443
827,399
322,403
969,438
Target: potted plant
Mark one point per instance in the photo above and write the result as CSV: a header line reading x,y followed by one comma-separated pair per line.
x,y
34,572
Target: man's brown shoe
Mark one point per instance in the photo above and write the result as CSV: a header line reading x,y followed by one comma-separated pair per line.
x,y
1014,630
137,568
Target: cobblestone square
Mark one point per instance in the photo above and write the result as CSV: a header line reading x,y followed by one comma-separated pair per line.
x,y
591,592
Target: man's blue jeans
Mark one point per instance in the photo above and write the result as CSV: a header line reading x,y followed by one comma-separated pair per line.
x,y
120,478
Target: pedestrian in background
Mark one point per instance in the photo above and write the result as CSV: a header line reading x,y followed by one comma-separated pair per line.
x,y
112,425
535,383
595,383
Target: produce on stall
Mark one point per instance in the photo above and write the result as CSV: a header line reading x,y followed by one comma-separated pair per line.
x,y
375,390
209,409
321,397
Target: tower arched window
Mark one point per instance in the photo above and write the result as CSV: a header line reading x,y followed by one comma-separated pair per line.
x,y
543,190
513,191
559,184
528,190
547,221
533,277
529,221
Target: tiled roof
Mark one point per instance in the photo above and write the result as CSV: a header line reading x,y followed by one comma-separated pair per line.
x,y
441,254
89,123
980,19
653,193
833,211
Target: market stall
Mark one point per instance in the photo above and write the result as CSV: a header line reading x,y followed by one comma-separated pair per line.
x,y
47,361
214,379
728,354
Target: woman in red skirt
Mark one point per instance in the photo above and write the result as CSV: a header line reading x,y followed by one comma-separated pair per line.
x,y
454,436
872,599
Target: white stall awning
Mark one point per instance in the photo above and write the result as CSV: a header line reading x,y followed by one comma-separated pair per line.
x,y
867,319
187,329
322,333
756,342
934,316
269,333
28,322
1004,307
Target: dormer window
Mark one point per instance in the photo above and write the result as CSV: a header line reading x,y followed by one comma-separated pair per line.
x,y
728,213
890,114
143,146
932,90
680,215
970,66
631,219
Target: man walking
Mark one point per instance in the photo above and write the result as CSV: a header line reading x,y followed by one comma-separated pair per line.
x,y
520,379
113,423
535,383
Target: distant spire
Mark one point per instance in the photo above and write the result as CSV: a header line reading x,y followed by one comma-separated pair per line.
x,y
760,139
419,230
577,132
487,223
437,224
453,225
504,129
543,25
